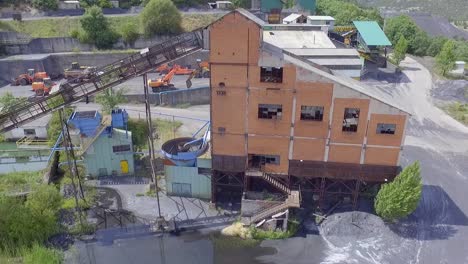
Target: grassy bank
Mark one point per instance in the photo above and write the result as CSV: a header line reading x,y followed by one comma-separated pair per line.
x,y
458,111
19,180
61,27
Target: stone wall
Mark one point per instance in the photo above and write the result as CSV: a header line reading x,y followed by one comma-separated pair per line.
x,y
173,98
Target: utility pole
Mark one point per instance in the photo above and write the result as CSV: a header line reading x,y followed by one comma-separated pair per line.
x,y
71,166
152,155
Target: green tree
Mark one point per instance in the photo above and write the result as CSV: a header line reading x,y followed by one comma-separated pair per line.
x,y
346,12
97,29
399,53
445,60
129,32
45,4
139,130
110,99
400,198
7,101
436,46
161,17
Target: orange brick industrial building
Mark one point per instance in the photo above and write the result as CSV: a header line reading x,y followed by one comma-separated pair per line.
x,y
280,119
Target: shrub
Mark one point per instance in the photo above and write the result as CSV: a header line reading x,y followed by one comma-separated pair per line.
x,y
161,17
96,29
45,4
129,32
139,130
400,198
42,255
445,60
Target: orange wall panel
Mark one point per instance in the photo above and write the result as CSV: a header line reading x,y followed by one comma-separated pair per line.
x,y
231,75
386,139
270,126
346,154
234,39
337,135
313,94
271,146
227,144
228,109
382,156
308,149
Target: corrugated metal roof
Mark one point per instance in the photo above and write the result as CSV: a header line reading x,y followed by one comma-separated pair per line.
x,y
297,39
371,33
331,62
324,52
291,17
320,18
250,16
349,82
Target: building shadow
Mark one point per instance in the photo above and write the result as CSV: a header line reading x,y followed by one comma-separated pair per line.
x,y
382,75
435,218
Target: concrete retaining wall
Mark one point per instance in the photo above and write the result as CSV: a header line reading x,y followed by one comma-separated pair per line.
x,y
172,98
19,44
191,96
55,64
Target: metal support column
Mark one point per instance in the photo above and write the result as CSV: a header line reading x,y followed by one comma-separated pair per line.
x,y
71,166
356,194
152,155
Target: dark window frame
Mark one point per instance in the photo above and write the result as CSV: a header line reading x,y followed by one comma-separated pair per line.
x,y
263,159
271,75
121,148
386,129
351,119
27,132
316,110
270,111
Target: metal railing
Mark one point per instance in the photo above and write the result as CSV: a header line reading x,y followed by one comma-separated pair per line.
x,y
103,78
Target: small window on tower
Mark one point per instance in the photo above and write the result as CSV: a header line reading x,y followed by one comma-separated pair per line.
x,y
314,113
271,74
270,111
386,128
351,119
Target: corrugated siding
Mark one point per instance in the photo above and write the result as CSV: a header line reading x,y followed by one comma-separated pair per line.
x,y
204,163
200,184
100,154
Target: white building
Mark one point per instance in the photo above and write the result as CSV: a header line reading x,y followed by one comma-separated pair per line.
x,y
321,21
295,19
34,129
69,4
459,69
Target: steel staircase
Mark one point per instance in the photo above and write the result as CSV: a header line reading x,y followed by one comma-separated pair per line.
x,y
103,78
293,201
87,142
275,183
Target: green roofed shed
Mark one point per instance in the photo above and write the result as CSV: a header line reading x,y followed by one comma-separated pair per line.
x,y
371,33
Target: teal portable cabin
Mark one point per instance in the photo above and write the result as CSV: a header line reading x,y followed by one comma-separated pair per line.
x,y
189,181
107,151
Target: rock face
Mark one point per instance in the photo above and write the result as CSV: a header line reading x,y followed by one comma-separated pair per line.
x,y
237,229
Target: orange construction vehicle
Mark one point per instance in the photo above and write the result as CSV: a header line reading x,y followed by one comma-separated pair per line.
x,y
158,85
163,69
29,77
43,88
182,70
203,71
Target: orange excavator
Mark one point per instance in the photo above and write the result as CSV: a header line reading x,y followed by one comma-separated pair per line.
x,y
29,77
163,83
165,69
43,88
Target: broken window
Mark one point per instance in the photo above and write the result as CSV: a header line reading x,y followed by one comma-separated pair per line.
x,y
314,113
386,128
121,148
351,119
256,161
270,111
29,132
271,74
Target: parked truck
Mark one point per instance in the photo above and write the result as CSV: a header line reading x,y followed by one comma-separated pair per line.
x,y
77,72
